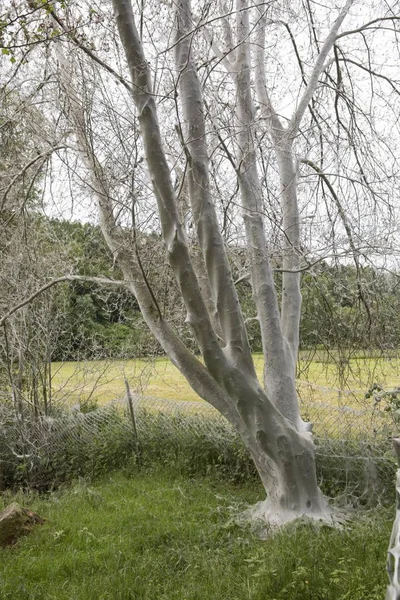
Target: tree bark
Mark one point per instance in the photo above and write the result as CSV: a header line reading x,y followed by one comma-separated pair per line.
x,y
282,451
211,242
279,361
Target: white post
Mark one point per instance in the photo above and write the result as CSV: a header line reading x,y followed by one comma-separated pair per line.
x,y
393,560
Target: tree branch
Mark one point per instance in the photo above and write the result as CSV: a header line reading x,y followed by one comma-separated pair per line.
x,y
49,284
24,170
347,228
317,70
89,52
173,234
267,110
366,26
189,365
346,60
209,235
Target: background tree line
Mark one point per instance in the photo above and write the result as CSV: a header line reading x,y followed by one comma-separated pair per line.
x,y
343,307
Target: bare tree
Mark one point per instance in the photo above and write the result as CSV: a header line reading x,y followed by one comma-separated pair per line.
x,y
226,128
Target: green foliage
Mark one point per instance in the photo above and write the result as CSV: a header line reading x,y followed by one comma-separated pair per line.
x,y
64,457
98,320
389,399
342,309
194,447
351,471
345,308
161,535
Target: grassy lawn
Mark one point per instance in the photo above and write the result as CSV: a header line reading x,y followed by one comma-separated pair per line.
x,y
319,379
155,536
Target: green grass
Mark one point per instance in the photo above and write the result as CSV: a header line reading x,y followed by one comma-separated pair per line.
x,y
158,536
103,380
319,377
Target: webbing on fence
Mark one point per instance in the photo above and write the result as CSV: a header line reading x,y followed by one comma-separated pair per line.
x,y
354,444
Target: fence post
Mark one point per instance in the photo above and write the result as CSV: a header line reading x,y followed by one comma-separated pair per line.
x,y
133,420
393,566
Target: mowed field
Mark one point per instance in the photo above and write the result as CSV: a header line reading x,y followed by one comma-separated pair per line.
x,y
321,378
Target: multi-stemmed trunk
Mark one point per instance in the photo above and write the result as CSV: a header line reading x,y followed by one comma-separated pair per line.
x,y
266,417
285,461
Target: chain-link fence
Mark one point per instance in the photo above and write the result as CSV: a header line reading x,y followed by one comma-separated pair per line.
x,y
354,454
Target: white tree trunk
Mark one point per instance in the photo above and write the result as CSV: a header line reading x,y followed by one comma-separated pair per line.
x,y
267,420
278,338
283,454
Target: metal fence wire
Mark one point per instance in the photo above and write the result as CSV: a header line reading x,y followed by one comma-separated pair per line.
x,y
354,450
